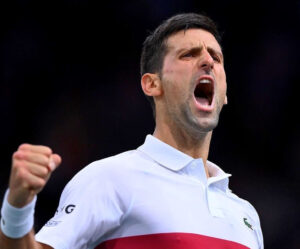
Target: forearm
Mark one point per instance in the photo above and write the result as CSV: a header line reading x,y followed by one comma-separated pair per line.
x,y
26,242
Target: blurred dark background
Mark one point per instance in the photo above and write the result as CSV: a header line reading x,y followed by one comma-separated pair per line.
x,y
70,79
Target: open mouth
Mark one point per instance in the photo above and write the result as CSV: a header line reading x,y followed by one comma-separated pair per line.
x,y
204,91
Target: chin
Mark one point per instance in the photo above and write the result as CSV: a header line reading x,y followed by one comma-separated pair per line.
x,y
197,124
206,125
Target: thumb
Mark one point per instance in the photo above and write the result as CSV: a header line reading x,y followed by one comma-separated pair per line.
x,y
54,161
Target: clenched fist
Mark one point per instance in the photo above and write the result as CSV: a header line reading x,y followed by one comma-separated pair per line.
x,y
32,166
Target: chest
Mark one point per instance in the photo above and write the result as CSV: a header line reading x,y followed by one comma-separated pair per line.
x,y
183,212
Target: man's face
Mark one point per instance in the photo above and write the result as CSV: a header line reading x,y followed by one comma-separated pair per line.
x,y
193,81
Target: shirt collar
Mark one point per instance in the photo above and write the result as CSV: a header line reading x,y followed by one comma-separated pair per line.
x,y
165,154
176,160
217,176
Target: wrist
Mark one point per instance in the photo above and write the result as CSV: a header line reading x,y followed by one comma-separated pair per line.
x,y
16,222
19,199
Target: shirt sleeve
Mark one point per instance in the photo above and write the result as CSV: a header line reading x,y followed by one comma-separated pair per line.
x,y
257,227
88,208
259,234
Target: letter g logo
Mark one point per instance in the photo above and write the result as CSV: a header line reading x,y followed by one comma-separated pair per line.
x,y
69,209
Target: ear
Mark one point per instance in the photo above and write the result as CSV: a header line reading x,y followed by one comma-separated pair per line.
x,y
226,100
151,84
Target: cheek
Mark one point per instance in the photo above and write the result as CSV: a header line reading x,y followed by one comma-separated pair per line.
x,y
175,82
176,77
221,78
174,93
176,69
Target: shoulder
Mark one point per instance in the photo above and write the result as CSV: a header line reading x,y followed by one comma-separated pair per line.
x,y
103,181
105,171
110,165
246,206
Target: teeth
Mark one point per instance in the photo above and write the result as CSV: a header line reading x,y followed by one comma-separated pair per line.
x,y
205,81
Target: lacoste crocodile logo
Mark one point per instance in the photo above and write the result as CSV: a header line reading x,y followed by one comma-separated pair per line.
x,y
247,223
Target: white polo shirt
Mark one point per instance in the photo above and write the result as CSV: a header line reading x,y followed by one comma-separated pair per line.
x,y
155,197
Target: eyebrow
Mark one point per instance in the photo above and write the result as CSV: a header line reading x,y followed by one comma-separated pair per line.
x,y
199,49
216,52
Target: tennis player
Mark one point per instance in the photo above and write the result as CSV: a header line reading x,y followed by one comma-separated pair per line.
x,y
165,194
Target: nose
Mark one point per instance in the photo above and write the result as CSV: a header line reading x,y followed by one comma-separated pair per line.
x,y
206,61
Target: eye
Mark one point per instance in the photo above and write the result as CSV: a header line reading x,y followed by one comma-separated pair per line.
x,y
190,54
187,55
216,58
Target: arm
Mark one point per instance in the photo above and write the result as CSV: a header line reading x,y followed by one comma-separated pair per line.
x,y
25,242
32,166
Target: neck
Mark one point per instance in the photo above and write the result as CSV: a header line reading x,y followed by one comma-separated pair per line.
x,y
194,146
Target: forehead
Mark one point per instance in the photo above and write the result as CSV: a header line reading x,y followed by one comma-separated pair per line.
x,y
192,38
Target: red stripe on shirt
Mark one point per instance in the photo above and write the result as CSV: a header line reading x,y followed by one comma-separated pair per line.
x,y
170,241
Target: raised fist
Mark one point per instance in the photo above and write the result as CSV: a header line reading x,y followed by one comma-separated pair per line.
x,y
32,166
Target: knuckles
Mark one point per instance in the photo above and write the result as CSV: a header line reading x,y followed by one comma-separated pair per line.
x,y
33,157
25,172
17,155
31,147
24,146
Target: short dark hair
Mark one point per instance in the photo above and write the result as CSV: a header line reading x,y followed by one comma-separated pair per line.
x,y
155,46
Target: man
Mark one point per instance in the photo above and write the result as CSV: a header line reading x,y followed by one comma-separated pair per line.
x,y
165,194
